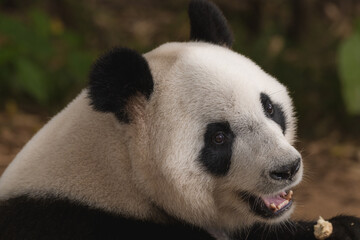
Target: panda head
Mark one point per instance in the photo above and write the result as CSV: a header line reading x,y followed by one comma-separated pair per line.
x,y
209,133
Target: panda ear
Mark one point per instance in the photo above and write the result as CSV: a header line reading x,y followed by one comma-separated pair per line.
x,y
208,23
115,78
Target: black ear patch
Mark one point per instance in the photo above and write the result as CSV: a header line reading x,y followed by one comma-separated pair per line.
x,y
116,77
208,24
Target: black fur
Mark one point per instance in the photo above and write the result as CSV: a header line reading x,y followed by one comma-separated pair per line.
x,y
344,228
214,157
278,116
115,78
208,24
25,218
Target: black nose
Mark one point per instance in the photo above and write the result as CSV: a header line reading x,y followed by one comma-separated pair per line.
x,y
286,172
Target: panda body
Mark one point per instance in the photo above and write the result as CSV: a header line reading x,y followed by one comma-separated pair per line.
x,y
188,141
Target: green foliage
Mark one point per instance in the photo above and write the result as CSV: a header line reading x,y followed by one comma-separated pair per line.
x,y
40,59
349,70
44,64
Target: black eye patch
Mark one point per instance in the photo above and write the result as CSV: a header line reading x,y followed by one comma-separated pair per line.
x,y
216,154
273,111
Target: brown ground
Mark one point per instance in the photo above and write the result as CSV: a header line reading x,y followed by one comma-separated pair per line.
x,y
331,184
332,169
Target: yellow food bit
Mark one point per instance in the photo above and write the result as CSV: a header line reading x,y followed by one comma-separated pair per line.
x,y
322,229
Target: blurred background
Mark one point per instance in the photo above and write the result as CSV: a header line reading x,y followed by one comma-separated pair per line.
x,y
313,47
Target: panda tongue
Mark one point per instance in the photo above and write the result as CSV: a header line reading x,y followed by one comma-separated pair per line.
x,y
277,200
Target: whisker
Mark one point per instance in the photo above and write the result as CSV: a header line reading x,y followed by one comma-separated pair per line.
x,y
279,91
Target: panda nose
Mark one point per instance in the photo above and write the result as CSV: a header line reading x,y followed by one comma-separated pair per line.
x,y
286,172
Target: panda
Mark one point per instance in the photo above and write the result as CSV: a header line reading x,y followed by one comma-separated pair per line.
x,y
188,141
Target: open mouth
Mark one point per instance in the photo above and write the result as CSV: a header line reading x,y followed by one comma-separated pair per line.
x,y
269,206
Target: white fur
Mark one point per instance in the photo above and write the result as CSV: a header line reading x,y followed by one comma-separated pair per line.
x,y
91,157
80,154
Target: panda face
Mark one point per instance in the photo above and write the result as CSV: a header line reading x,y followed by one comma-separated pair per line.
x,y
219,130
209,132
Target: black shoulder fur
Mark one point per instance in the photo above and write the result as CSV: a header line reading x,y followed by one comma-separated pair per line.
x,y
23,218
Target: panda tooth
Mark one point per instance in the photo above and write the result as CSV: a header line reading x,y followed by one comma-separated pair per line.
x,y
273,207
289,195
282,204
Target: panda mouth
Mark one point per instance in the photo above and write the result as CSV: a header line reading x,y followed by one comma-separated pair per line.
x,y
269,206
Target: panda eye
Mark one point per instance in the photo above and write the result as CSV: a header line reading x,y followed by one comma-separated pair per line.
x,y
269,108
219,138
273,111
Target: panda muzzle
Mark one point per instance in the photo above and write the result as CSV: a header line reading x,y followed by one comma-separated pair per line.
x,y
269,206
